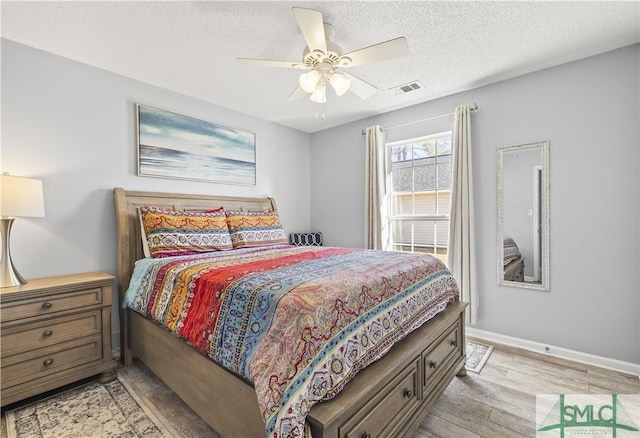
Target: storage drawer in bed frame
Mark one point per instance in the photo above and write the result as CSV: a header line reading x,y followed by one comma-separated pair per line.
x,y
399,384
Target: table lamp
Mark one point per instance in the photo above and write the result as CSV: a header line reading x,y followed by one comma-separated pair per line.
x,y
19,197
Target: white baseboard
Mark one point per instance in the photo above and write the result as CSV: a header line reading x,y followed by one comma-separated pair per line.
x,y
563,353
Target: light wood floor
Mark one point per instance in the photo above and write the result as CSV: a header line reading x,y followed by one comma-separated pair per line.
x,y
497,402
500,400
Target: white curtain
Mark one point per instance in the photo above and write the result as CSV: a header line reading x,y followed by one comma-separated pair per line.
x,y
461,257
375,176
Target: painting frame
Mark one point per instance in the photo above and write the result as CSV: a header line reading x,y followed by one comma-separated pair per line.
x,y
177,146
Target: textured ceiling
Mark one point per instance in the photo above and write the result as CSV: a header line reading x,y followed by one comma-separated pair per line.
x,y
191,47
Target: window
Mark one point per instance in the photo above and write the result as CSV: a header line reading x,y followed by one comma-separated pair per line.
x,y
420,195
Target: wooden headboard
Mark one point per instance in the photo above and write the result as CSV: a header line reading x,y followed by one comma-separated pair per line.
x,y
129,236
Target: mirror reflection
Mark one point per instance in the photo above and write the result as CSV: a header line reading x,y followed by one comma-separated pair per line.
x,y
523,216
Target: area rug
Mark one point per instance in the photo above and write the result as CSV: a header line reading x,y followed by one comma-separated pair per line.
x,y
477,355
91,410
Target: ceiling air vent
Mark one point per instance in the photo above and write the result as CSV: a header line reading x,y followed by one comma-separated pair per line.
x,y
407,88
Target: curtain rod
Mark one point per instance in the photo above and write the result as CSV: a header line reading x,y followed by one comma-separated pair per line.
x,y
473,108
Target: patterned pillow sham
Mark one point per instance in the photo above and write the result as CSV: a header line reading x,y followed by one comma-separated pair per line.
x,y
255,228
167,232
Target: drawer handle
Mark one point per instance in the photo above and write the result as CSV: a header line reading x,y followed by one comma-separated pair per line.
x,y
433,364
47,362
47,334
365,435
407,393
453,343
47,305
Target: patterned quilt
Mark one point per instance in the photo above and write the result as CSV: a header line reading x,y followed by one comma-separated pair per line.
x,y
297,322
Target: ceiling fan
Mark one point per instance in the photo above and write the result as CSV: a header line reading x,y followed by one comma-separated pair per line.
x,y
325,60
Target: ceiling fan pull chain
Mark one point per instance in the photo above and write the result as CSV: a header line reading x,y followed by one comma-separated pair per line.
x,y
320,113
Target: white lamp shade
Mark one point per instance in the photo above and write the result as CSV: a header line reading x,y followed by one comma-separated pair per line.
x,y
21,197
340,83
319,94
308,81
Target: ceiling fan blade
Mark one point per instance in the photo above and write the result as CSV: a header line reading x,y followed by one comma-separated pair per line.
x,y
271,63
297,94
379,52
312,27
360,88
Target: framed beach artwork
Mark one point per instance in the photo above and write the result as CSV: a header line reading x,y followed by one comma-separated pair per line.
x,y
171,145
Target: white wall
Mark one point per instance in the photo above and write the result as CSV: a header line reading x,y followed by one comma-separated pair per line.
x,y
73,126
589,111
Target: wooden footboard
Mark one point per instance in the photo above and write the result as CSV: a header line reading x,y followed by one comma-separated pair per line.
x,y
388,398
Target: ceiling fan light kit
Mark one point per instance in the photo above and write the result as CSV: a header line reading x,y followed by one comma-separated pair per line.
x,y
319,94
324,58
314,82
308,81
340,83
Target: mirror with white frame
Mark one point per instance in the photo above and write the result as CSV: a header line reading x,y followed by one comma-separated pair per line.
x,y
523,216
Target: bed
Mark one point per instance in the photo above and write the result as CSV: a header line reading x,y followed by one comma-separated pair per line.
x,y
513,261
388,397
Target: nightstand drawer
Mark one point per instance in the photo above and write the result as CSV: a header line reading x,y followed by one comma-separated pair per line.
x,y
18,338
32,365
49,304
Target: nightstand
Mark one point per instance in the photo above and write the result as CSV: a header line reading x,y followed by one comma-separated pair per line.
x,y
55,331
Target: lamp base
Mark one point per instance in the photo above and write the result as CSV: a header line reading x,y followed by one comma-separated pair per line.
x,y
8,274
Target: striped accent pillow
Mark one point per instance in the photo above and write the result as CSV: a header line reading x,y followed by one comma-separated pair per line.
x,y
305,239
169,232
255,228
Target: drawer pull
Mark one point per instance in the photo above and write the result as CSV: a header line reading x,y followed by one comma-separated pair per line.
x,y
47,362
407,393
47,305
47,334
453,343
433,364
365,435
